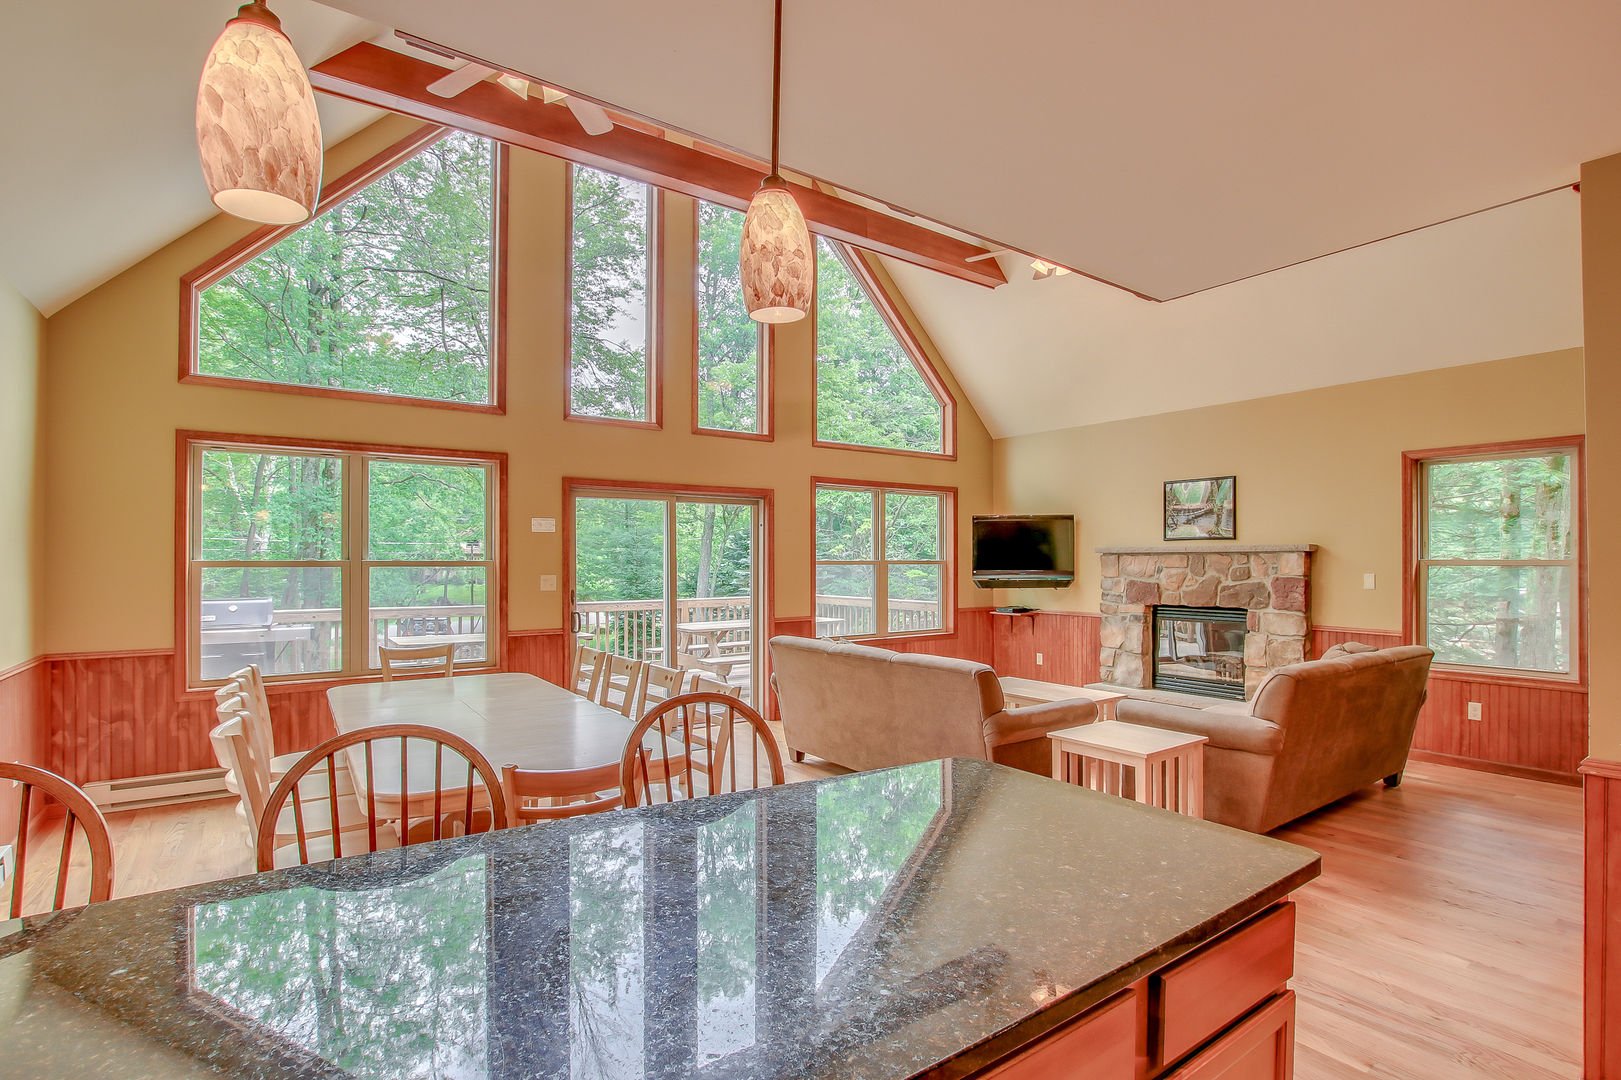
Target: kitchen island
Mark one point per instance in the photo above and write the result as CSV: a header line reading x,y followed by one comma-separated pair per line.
x,y
946,919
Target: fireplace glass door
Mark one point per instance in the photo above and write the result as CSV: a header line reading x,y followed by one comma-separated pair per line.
x,y
1200,650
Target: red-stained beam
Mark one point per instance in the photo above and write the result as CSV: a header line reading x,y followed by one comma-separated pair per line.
x,y
389,80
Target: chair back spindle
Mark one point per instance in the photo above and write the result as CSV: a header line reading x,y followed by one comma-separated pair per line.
x,y
81,815
698,744
461,806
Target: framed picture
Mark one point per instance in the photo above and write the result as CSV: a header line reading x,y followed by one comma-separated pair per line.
x,y
1202,509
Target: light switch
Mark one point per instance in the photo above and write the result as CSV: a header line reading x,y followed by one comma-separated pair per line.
x,y
543,525
548,583
1369,581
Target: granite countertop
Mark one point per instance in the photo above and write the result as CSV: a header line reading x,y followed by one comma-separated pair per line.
x,y
873,925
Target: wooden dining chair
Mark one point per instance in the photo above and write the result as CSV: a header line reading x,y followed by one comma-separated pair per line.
x,y
38,784
621,679
455,810
427,660
585,670
694,745
248,684
661,684
235,750
539,795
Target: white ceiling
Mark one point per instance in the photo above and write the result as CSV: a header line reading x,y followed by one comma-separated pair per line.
x,y
1168,148
100,166
1168,151
1038,355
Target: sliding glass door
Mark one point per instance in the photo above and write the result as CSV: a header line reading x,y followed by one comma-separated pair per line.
x,y
671,578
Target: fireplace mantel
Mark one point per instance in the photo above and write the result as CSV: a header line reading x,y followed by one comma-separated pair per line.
x,y
1271,582
1206,547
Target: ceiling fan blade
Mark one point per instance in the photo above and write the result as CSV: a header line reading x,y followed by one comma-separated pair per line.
x,y
517,85
590,115
467,75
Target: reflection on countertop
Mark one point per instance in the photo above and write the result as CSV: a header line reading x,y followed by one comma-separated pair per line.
x,y
870,925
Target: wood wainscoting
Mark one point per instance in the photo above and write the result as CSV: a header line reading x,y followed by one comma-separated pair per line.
x,y
112,716
25,729
1601,962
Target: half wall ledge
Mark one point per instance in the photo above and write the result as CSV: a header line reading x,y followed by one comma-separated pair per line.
x,y
1219,546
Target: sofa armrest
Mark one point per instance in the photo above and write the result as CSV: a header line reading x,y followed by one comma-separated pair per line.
x,y
1018,725
1226,729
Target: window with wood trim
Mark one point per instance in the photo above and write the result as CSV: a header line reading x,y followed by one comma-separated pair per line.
x,y
874,388
729,388
1497,576
883,560
304,559
612,367
391,290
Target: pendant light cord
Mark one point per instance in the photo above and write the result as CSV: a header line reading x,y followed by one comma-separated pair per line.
x,y
776,86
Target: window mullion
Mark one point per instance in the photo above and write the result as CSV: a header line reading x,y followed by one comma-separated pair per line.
x,y
356,617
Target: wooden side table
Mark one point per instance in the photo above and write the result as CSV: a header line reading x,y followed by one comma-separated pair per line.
x,y
1020,693
1166,767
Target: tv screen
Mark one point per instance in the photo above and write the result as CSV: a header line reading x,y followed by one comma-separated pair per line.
x,y
1039,549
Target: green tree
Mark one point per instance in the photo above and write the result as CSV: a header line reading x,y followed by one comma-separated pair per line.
x,y
608,296
386,292
729,342
869,391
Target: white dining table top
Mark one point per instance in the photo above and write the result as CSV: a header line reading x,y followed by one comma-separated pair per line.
x,y
511,718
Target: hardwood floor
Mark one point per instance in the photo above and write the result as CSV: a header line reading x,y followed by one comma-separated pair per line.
x,y
1443,939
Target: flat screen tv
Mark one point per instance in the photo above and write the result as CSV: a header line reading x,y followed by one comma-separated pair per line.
x,y
1031,551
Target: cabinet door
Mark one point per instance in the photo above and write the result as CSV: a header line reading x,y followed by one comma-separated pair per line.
x,y
1101,1045
1261,1047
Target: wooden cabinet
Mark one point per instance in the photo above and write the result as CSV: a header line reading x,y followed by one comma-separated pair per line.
x,y
1222,1012
1262,1047
1099,1045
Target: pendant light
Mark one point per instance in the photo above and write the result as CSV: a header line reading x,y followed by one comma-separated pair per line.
x,y
778,259
258,134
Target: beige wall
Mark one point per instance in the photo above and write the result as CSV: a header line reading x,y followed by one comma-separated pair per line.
x,y
22,363
1601,298
1320,467
114,404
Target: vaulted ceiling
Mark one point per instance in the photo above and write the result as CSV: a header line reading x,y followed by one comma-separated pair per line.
x,y
1168,149
100,163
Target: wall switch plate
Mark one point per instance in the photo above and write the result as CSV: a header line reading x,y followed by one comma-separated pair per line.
x,y
1474,710
543,525
1039,660
8,858
548,583
1369,581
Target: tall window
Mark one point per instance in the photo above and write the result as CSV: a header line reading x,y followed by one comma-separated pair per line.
x,y
883,560
388,291
1497,559
611,350
871,389
303,560
730,375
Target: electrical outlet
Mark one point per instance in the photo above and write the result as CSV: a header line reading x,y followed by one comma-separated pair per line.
x,y
1474,710
1039,660
8,857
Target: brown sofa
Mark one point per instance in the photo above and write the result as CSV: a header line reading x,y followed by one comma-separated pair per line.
x,y
1313,733
867,708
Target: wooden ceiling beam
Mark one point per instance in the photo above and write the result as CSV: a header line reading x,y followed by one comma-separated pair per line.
x,y
390,80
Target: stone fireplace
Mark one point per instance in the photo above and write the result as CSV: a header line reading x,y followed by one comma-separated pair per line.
x,y
1270,583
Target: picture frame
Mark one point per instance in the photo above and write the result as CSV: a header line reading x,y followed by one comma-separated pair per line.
x,y
1202,508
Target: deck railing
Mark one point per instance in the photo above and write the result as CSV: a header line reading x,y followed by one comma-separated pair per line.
x,y
633,628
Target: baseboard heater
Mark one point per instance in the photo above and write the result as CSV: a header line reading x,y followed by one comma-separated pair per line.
x,y
165,789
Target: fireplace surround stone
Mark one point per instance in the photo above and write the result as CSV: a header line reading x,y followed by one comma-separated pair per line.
x,y
1272,582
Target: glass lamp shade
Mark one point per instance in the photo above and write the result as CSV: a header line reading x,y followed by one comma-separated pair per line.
x,y
778,259
258,133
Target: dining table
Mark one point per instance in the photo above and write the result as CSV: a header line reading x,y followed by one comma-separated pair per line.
x,y
511,718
